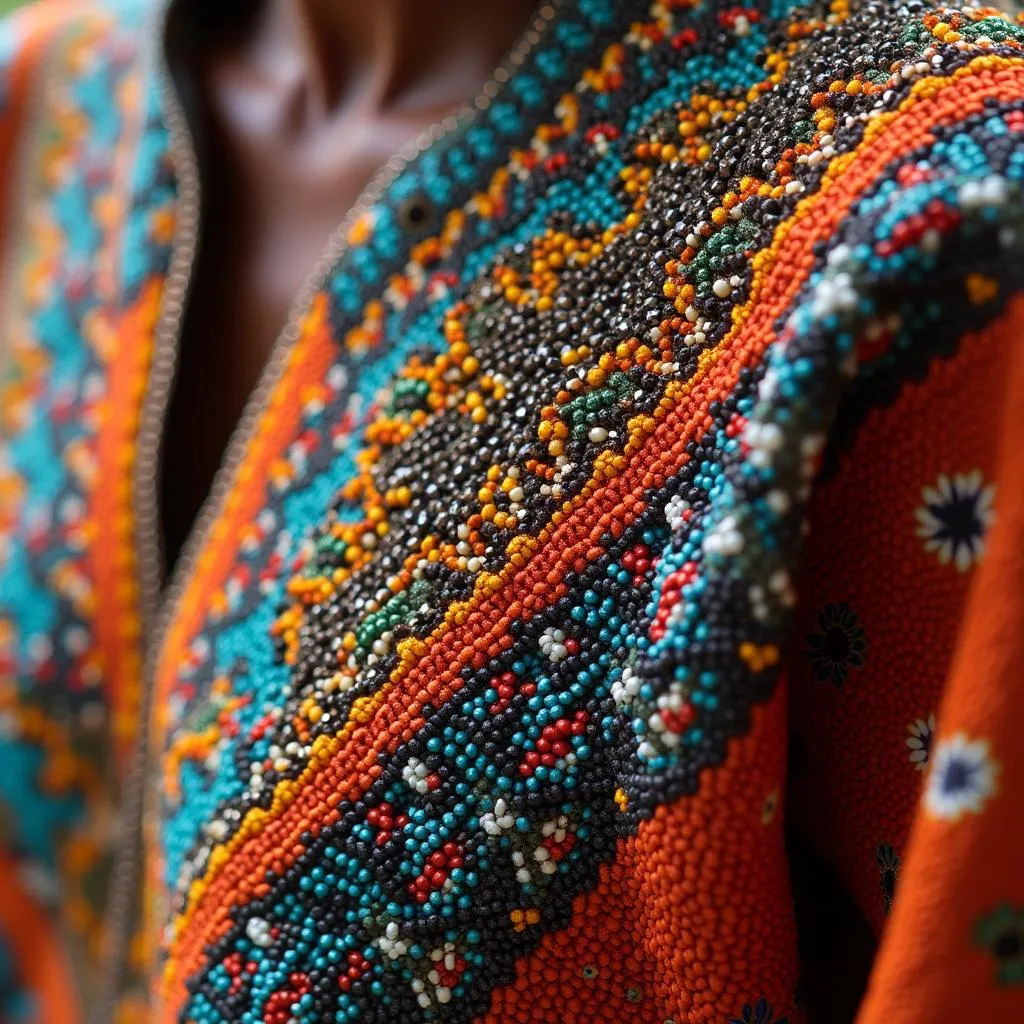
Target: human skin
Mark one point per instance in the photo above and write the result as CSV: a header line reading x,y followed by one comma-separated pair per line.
x,y
295,104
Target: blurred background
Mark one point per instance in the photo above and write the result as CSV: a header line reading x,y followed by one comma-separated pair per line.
x,y
9,5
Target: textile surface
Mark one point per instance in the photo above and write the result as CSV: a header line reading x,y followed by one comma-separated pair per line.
x,y
642,482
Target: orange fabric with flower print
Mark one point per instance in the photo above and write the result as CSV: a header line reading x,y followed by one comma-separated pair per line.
x,y
906,706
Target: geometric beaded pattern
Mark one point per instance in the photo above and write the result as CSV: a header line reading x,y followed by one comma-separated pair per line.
x,y
86,236
525,565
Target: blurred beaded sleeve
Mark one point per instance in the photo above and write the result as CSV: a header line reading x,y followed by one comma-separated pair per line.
x,y
640,475
85,225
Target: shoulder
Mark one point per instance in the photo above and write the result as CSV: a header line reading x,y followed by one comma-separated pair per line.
x,y
924,272
916,132
854,173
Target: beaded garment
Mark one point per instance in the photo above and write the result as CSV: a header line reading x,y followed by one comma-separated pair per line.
x,y
638,477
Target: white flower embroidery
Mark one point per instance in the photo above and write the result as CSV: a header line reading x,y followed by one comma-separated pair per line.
x,y
920,741
962,777
955,517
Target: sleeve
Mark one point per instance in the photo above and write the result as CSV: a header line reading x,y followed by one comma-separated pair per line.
x,y
35,972
907,660
958,926
881,650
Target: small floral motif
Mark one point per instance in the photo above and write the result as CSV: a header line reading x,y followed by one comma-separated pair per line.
x,y
838,646
1002,934
770,807
962,777
920,741
889,872
955,517
759,1013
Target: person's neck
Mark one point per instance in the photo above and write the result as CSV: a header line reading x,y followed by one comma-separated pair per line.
x,y
390,53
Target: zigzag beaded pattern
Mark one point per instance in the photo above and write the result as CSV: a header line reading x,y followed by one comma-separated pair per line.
x,y
557,575
77,321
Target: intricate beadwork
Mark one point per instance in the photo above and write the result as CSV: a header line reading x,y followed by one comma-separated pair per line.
x,y
88,236
556,572
470,707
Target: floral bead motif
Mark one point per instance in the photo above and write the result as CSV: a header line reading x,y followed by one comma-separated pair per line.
x,y
838,646
919,741
954,517
962,778
889,869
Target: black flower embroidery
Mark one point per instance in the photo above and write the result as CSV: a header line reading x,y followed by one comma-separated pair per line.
x,y
838,646
889,871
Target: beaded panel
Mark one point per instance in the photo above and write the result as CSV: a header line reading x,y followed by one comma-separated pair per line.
x,y
508,566
86,236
